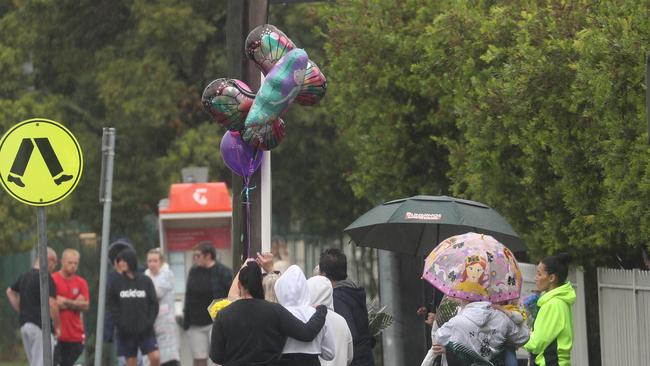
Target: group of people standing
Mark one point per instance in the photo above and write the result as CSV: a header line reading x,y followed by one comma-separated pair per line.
x,y
320,321
486,334
141,305
271,320
69,298
276,319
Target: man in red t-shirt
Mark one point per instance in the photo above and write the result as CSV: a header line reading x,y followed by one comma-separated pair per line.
x,y
72,298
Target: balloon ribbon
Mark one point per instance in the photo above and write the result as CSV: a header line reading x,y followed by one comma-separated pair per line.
x,y
246,202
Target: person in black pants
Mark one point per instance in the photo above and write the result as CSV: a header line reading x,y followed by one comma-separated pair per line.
x,y
252,331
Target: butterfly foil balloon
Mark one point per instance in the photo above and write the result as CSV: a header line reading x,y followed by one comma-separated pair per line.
x,y
290,76
279,89
228,102
313,87
266,45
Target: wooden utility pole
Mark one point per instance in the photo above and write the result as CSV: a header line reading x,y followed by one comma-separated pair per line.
x,y
243,16
647,93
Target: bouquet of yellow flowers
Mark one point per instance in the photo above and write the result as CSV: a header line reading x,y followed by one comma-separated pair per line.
x,y
216,306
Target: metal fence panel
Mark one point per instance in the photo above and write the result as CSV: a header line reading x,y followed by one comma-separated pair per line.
x,y
624,299
643,304
11,266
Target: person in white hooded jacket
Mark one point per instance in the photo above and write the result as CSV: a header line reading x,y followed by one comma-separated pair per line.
x,y
165,324
477,334
320,292
292,293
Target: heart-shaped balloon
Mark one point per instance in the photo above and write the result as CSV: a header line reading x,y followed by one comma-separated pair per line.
x,y
228,101
278,90
266,45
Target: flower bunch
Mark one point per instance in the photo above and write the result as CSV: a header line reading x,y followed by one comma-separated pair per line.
x,y
216,306
530,304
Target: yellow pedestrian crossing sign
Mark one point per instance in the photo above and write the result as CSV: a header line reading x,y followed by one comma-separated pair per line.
x,y
40,162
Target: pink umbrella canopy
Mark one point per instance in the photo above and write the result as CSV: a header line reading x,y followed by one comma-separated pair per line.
x,y
474,267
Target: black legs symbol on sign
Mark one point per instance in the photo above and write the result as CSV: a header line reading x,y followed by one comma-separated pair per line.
x,y
25,153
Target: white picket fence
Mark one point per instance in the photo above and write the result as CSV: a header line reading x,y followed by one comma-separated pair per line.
x,y
624,310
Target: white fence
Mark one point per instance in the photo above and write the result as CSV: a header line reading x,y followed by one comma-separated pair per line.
x,y
624,310
579,354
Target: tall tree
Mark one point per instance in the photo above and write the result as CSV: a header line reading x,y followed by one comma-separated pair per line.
x,y
141,67
134,65
310,192
534,108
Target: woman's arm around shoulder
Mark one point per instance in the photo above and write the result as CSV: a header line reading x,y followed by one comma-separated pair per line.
x,y
294,328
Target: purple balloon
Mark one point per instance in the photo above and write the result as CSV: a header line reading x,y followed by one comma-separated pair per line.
x,y
240,157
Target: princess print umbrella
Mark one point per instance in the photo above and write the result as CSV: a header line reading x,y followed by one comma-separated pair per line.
x,y
474,267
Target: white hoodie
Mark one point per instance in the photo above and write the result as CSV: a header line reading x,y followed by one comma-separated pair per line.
x,y
165,325
482,329
292,293
320,293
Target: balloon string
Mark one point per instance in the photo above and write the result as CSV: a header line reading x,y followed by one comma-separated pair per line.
x,y
246,202
246,242
251,164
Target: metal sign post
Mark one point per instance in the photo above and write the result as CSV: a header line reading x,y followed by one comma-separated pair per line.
x,y
40,180
44,280
105,197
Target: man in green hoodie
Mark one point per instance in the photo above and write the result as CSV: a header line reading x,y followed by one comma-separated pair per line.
x,y
551,340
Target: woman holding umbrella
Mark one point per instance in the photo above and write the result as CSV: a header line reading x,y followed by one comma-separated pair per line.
x,y
552,337
478,271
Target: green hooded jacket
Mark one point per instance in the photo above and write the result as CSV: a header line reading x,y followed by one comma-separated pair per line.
x,y
552,337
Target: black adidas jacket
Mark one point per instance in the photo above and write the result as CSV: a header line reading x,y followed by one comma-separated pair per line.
x,y
133,305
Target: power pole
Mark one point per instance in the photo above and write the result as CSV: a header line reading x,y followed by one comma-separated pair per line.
x,y
243,16
647,93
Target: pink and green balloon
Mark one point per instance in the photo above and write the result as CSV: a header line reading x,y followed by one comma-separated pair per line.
x,y
290,76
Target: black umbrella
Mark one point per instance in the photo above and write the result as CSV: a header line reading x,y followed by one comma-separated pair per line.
x,y
417,224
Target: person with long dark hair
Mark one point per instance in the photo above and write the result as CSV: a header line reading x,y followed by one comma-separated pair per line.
x,y
551,340
253,331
